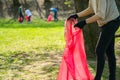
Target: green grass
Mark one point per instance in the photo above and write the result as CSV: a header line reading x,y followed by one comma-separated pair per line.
x,y
118,43
21,43
25,37
33,51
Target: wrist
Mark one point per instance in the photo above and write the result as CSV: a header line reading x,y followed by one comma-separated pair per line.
x,y
77,15
87,21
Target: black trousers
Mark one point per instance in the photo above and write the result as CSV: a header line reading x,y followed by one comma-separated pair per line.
x,y
105,45
29,18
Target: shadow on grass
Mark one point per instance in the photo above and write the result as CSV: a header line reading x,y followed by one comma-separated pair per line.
x,y
14,60
17,61
47,65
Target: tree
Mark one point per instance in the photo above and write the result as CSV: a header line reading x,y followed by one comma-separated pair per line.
x,y
118,4
25,2
47,6
1,8
38,8
15,7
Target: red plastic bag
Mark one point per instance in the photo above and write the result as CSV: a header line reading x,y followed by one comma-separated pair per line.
x,y
74,65
27,18
20,19
49,18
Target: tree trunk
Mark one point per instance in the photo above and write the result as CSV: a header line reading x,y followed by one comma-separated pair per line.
x,y
25,2
15,7
38,8
118,4
47,6
90,31
1,8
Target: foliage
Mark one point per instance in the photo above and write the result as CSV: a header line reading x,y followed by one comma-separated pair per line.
x,y
68,3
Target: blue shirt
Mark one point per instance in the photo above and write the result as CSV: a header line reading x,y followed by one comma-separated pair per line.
x,y
53,9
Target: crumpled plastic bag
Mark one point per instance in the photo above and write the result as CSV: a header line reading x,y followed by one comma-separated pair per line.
x,y
49,18
74,64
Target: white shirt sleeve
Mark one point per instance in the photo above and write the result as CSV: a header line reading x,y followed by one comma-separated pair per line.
x,y
101,10
90,6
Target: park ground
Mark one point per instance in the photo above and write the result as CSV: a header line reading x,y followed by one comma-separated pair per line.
x,y
34,51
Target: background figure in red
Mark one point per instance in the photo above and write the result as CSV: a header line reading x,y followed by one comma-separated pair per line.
x,y
50,16
28,15
20,19
55,11
20,12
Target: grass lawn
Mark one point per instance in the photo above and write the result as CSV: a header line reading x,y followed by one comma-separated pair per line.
x,y
33,51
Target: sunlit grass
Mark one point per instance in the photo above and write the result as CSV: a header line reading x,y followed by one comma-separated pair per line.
x,y
26,37
21,43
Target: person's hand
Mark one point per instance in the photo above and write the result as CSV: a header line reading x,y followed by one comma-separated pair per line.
x,y
74,16
80,24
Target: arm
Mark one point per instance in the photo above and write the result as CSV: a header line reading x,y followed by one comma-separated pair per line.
x,y
92,19
100,14
85,12
82,23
